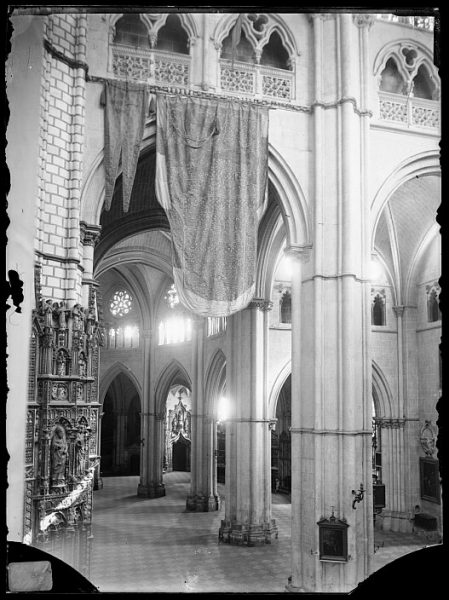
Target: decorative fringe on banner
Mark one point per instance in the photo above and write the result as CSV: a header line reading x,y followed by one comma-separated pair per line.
x,y
126,106
211,177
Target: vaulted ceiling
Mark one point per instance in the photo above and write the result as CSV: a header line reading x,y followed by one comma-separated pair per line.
x,y
142,264
405,229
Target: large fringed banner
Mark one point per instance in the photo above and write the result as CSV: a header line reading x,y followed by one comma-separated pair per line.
x,y
211,176
126,106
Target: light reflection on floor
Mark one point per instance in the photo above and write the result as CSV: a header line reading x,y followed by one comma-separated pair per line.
x,y
154,545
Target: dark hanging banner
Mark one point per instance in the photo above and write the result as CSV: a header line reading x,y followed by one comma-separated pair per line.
x,y
126,106
211,177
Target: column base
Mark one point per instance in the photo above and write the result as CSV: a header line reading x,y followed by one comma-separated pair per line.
x,y
293,589
240,534
200,503
152,490
396,521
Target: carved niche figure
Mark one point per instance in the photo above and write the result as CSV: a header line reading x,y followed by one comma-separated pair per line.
x,y
61,314
58,453
80,455
77,317
82,365
61,363
48,313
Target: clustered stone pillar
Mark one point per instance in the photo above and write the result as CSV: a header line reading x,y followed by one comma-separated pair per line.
x,y
331,397
150,484
248,470
201,497
397,468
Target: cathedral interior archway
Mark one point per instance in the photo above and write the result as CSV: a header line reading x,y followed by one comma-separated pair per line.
x,y
120,428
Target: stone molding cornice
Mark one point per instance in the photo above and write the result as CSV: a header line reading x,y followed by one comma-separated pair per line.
x,y
273,104
198,93
344,100
390,423
55,258
248,420
72,63
312,431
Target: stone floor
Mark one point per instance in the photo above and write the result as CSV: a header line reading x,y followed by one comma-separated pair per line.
x,y
143,545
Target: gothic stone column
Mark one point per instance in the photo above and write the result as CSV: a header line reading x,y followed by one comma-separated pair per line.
x,y
150,484
331,397
198,498
248,470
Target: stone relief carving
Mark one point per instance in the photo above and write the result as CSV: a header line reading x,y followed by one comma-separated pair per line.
x,y
58,454
58,450
428,438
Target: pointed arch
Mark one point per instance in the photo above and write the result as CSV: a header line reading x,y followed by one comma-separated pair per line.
x,y
173,373
288,41
187,20
259,40
116,369
424,163
406,67
294,206
115,18
383,399
276,388
410,292
93,187
215,381
286,221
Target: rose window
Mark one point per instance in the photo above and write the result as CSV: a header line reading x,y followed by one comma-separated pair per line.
x,y
121,303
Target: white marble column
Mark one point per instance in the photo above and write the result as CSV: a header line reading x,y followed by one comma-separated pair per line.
x,y
248,467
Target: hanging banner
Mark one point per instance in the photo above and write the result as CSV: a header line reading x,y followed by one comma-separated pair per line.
x,y
211,177
126,106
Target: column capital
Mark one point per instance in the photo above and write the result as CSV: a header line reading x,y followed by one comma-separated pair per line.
x,y
363,20
399,310
299,252
89,234
261,304
321,17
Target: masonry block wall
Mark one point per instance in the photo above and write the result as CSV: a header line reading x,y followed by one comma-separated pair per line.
x,y
62,118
